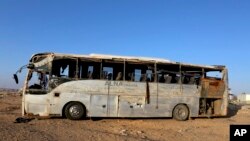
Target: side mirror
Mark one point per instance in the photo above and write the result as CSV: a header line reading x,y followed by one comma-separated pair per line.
x,y
16,78
30,66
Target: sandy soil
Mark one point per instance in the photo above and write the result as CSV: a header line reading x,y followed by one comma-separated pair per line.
x,y
216,129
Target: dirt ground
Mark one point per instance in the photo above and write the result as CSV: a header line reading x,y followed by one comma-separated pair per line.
x,y
215,129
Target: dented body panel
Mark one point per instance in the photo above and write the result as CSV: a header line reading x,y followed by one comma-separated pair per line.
x,y
115,99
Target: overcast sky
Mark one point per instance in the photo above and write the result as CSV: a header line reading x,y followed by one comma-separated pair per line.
x,y
191,31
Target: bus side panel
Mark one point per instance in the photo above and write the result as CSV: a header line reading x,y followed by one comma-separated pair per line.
x,y
112,106
158,107
191,94
59,101
103,106
160,104
98,106
162,100
72,91
131,106
165,97
37,105
128,99
192,103
166,105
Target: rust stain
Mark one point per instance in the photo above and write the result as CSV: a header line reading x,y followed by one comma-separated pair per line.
x,y
212,88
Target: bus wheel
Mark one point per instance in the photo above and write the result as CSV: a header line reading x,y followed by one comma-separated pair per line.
x,y
181,112
74,111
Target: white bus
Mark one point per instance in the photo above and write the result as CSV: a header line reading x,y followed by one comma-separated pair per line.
x,y
78,86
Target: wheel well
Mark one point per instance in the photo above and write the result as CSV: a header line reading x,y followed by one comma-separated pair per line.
x,y
63,110
181,104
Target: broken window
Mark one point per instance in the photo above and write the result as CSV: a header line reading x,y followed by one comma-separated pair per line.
x,y
138,75
168,73
150,75
214,74
108,73
38,82
64,68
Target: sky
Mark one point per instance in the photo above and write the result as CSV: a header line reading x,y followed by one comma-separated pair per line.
x,y
207,32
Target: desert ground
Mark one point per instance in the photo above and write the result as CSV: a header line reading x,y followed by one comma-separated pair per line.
x,y
61,129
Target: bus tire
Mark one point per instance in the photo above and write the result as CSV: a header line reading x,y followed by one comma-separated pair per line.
x,y
74,111
181,112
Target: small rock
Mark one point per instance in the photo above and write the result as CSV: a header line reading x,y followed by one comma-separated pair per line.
x,y
143,137
123,132
139,132
180,131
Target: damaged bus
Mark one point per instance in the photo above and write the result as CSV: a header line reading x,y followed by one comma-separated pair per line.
x,y
78,86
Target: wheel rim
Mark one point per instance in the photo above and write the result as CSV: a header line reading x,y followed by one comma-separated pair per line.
x,y
181,113
75,111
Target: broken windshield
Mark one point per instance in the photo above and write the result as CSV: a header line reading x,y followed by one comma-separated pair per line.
x,y
37,82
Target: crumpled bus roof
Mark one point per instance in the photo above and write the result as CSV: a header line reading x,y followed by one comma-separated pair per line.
x,y
125,58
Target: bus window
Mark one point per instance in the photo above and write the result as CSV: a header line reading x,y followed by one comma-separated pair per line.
x,y
138,75
64,71
108,73
214,74
38,82
130,76
161,78
90,72
65,68
119,76
150,75
167,78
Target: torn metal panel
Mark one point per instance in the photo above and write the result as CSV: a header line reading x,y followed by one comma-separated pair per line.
x,y
44,61
212,88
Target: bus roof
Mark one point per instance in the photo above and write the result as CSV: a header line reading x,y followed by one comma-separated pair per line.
x,y
128,58
105,56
